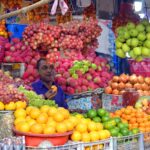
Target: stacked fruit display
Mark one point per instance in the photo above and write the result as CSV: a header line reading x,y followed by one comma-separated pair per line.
x,y
144,104
72,35
82,75
17,51
135,117
125,15
118,84
12,4
34,99
10,97
116,127
134,40
3,31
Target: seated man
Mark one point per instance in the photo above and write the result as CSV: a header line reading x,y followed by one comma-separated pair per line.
x,y
44,85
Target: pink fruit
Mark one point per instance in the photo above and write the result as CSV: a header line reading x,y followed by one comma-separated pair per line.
x,y
97,80
33,62
88,77
25,75
79,73
64,87
84,88
7,46
85,82
66,75
61,81
91,71
70,90
61,71
15,40
12,48
78,89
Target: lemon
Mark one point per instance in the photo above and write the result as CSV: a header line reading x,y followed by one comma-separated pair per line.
x,y
2,106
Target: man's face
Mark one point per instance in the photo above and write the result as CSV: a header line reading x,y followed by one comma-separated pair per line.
x,y
47,71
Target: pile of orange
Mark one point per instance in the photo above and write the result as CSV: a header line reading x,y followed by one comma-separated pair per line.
x,y
46,120
136,118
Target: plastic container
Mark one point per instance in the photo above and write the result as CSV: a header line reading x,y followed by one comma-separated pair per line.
x,y
130,97
147,141
140,68
36,139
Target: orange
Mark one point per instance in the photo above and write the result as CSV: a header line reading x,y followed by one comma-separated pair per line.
x,y
44,109
81,128
19,119
49,130
128,111
122,110
132,120
142,129
34,113
28,109
76,136
104,134
139,120
135,125
51,123
20,113
31,122
65,113
52,111
99,126
85,137
2,106
58,117
92,126
24,127
61,128
69,125
130,107
118,112
142,125
36,128
94,136
42,118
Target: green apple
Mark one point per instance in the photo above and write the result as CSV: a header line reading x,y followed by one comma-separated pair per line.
x,y
148,28
128,42
147,43
126,35
140,27
131,54
145,51
94,66
75,76
130,25
145,22
86,68
133,32
120,53
134,42
71,71
148,36
118,44
82,70
137,51
139,58
141,36
125,48
121,38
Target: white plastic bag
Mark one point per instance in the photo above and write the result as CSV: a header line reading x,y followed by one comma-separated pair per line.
x,y
83,3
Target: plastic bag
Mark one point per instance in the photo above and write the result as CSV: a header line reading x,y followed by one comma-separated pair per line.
x,y
83,3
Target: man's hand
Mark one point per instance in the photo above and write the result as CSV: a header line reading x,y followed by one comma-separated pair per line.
x,y
50,94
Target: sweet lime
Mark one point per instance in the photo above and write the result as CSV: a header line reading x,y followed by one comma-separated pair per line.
x,y
92,113
97,119
101,112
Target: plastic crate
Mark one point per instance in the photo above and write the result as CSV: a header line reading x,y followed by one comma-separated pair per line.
x,y
135,142
112,102
140,68
69,146
85,101
147,141
99,145
15,69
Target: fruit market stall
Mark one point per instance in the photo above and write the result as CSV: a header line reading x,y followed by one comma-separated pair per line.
x,y
105,111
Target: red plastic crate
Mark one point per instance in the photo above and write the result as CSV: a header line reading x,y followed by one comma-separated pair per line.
x,y
140,68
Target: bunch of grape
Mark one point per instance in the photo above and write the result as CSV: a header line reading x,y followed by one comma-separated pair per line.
x,y
34,99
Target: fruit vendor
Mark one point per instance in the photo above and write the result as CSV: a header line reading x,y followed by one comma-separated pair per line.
x,y
46,86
